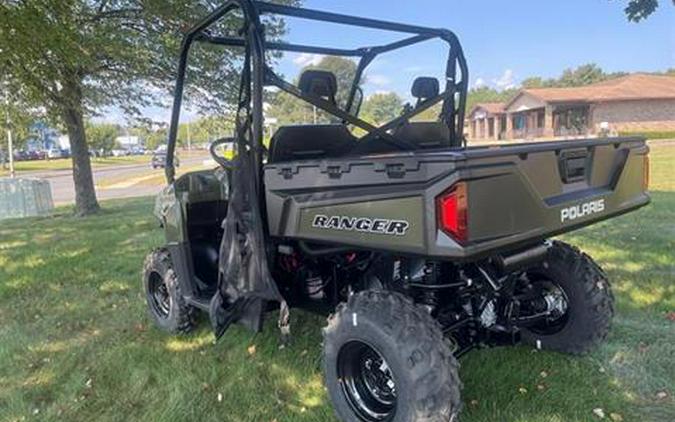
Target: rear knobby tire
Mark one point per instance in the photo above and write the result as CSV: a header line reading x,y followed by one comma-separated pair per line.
x,y
418,357
173,314
589,298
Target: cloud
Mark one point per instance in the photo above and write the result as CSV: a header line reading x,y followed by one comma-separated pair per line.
x,y
480,82
378,80
506,81
307,59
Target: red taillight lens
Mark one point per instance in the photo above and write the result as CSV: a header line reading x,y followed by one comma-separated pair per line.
x,y
452,213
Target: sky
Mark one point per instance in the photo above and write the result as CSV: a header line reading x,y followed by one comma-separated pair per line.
x,y
504,41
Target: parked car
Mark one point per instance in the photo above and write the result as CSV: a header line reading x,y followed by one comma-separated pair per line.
x,y
137,151
20,155
159,160
120,153
54,153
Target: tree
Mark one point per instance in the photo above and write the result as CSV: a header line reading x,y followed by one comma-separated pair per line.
x,y
344,71
638,10
583,75
486,94
75,57
17,117
101,137
379,109
288,109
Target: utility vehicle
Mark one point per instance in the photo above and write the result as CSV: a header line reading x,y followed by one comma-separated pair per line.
x,y
419,247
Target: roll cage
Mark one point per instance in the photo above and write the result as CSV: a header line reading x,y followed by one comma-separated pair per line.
x,y
257,74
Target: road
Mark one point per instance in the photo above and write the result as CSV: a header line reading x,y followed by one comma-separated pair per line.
x,y
63,192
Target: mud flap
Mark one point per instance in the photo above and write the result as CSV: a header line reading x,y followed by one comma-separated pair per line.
x,y
245,283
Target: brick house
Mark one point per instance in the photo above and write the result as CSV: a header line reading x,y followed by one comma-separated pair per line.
x,y
631,103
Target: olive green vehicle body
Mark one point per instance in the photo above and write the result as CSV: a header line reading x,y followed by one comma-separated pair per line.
x,y
516,194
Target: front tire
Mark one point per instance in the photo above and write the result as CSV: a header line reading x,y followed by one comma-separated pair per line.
x,y
165,300
386,359
588,299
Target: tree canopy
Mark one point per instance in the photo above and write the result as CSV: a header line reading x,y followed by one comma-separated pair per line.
x,y
583,75
288,109
76,57
638,10
102,136
381,108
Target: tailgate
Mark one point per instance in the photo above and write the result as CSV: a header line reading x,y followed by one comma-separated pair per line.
x,y
519,193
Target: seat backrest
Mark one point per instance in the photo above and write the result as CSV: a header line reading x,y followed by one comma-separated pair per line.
x,y
291,143
425,135
425,88
320,84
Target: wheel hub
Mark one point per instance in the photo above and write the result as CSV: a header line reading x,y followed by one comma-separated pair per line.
x,y
367,382
161,300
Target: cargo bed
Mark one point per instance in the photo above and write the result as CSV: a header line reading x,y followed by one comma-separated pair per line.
x,y
511,195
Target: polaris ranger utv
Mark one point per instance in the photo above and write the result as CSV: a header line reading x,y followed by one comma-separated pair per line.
x,y
418,247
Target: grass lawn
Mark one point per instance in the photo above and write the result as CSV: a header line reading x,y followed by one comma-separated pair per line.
x,y
76,343
67,164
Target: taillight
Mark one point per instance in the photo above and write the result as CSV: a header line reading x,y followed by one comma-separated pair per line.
x,y
452,212
646,173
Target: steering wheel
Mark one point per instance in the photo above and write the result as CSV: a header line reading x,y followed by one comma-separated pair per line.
x,y
222,161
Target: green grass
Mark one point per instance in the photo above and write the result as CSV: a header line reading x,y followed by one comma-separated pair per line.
x,y
67,164
76,343
663,134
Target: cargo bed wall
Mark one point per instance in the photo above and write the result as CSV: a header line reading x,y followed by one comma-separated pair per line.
x,y
516,195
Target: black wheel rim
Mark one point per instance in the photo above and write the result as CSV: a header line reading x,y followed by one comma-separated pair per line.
x,y
160,301
550,290
367,382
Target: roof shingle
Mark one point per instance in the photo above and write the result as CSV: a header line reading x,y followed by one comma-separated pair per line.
x,y
632,87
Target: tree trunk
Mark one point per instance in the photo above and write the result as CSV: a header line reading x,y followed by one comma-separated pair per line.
x,y
85,193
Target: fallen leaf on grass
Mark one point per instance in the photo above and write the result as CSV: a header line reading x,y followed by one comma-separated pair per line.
x,y
541,387
473,403
522,390
661,395
671,316
220,397
616,417
251,350
543,374
599,413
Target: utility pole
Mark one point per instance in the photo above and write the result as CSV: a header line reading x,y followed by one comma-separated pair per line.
x,y
189,140
10,145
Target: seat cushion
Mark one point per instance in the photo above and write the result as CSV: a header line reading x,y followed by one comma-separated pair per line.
x,y
425,135
291,143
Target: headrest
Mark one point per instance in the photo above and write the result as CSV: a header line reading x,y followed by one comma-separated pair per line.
x,y
425,88
319,83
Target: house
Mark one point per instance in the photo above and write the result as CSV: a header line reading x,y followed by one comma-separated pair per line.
x,y
633,103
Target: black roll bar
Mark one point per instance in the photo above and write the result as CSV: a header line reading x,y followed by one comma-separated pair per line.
x,y
253,38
